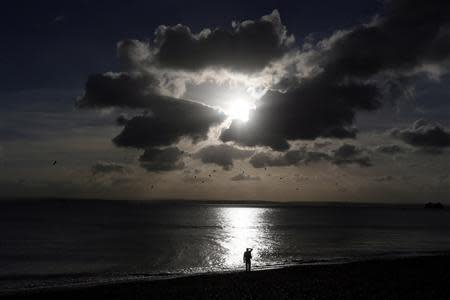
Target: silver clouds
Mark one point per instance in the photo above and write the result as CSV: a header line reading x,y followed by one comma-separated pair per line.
x,y
248,46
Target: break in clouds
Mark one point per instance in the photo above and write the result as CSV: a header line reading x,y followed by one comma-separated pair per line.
x,y
306,90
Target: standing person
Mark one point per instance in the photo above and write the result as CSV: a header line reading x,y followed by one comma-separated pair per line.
x,y
248,259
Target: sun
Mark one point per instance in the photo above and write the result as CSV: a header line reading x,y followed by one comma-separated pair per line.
x,y
239,109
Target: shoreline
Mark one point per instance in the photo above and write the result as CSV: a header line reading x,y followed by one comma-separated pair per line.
x,y
89,280
186,286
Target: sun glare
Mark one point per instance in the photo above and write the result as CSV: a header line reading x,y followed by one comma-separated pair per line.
x,y
243,229
239,109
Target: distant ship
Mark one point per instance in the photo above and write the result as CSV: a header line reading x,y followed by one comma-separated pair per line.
x,y
431,205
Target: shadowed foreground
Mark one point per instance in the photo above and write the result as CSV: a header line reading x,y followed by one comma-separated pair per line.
x,y
409,278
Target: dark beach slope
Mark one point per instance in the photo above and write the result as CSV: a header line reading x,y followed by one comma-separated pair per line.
x,y
408,278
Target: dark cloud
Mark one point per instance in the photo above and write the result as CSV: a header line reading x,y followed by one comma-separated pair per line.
x,y
389,149
347,151
344,154
321,145
249,46
363,161
222,155
120,90
157,160
182,119
107,167
350,154
346,79
317,108
121,120
292,157
167,119
313,156
424,135
244,177
265,159
409,36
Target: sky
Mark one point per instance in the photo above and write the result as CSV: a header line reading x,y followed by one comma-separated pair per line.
x,y
343,101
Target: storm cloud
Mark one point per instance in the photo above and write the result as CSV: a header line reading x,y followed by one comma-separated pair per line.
x,y
265,159
222,155
167,120
291,157
182,119
351,64
314,109
351,69
249,46
157,160
389,149
120,90
423,134
343,155
350,154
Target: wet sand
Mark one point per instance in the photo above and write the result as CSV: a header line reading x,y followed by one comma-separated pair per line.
x,y
406,278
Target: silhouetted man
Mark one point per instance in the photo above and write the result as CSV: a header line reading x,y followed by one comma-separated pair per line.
x,y
248,259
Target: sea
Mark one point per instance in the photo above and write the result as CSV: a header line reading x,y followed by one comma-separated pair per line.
x,y
50,242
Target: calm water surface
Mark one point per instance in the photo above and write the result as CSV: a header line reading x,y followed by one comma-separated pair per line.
x,y
128,238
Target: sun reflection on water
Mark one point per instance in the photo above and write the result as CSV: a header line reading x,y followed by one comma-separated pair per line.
x,y
244,228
